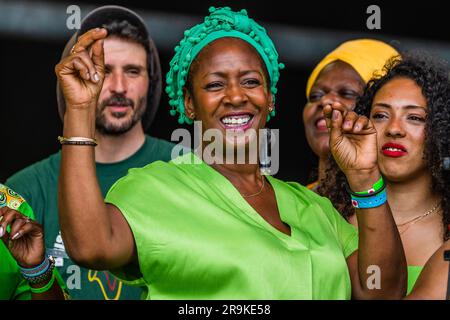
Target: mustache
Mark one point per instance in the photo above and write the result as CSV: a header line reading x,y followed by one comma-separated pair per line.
x,y
117,100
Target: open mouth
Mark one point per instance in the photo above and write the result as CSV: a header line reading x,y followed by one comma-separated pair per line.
x,y
241,121
321,124
393,150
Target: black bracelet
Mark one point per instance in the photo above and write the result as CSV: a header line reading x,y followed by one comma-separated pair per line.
x,y
357,195
80,143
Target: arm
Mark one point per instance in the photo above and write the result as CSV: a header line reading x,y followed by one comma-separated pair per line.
x,y
25,242
433,280
96,235
354,146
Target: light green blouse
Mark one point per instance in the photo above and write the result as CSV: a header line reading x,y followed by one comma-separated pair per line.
x,y
413,275
198,238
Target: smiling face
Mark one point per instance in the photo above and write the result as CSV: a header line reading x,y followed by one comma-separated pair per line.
x,y
337,82
123,98
228,89
399,112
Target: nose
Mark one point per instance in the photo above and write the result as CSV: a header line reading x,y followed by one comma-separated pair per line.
x,y
394,128
333,97
235,95
328,98
117,83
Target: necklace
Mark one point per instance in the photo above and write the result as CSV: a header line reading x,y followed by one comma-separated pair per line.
x,y
416,219
255,194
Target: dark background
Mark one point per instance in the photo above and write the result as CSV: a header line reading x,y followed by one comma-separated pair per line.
x,y
29,119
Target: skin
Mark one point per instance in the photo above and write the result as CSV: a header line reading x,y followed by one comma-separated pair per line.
x,y
229,77
337,83
89,226
119,129
25,242
399,110
432,282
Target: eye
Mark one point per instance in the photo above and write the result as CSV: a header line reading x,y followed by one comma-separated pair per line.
x,y
213,86
379,116
348,94
315,96
416,118
133,72
252,83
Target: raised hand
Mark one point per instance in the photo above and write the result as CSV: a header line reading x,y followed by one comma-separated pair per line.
x,y
353,144
81,74
25,240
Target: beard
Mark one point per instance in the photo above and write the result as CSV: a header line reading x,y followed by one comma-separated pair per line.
x,y
105,126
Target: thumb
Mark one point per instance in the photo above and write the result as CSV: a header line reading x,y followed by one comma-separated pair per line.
x,y
336,126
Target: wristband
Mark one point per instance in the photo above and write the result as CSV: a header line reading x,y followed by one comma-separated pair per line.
x,y
46,287
378,187
40,273
371,201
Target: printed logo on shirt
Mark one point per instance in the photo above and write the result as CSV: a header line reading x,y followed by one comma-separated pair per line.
x,y
109,286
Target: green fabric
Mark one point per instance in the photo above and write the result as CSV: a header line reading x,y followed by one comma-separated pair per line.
x,y
38,185
221,23
197,238
413,275
13,285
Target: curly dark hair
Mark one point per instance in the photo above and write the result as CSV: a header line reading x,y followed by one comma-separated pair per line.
x,y
432,75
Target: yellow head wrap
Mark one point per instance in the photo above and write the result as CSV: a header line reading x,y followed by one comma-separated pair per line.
x,y
366,56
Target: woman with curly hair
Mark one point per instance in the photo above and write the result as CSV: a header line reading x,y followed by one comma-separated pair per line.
x,y
410,109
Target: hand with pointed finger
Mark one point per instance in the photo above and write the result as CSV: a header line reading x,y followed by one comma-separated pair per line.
x,y
353,144
81,73
25,239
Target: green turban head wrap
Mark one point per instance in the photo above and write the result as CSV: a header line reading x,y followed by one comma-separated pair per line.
x,y
221,23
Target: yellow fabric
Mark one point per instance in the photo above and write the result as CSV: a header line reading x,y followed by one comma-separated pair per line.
x,y
366,56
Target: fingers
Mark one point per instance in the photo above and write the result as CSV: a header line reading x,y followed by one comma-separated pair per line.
x,y
88,39
349,121
89,68
23,228
8,216
81,67
328,110
98,54
335,125
19,225
84,57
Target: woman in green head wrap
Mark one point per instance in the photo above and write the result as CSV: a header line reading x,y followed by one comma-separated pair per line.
x,y
195,230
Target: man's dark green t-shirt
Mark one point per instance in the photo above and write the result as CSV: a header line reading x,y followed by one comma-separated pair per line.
x,y
38,185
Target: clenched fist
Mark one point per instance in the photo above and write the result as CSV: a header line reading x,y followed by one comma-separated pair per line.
x,y
81,73
353,144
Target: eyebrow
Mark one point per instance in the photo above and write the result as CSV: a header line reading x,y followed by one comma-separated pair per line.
x,y
224,74
408,107
128,66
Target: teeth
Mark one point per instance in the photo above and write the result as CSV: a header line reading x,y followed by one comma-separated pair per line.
x,y
240,120
394,149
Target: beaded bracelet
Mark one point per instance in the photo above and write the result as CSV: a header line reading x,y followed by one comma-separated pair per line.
x,y
46,287
40,273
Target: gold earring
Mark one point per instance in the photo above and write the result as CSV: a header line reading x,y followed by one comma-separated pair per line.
x,y
192,115
270,108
